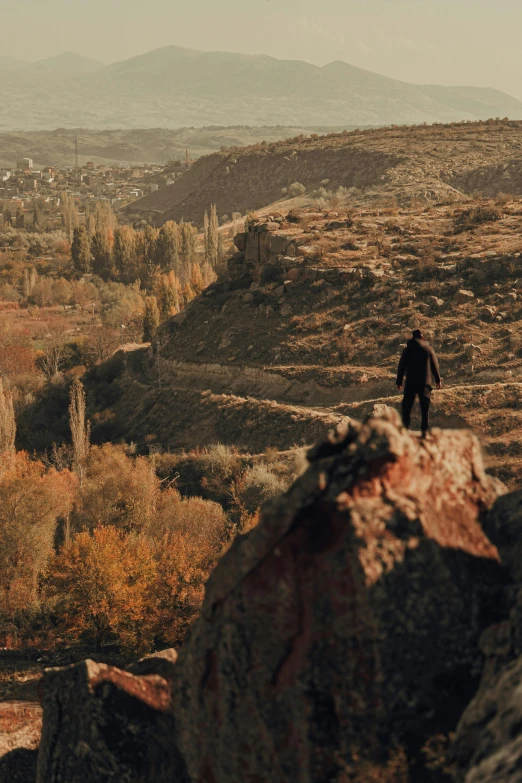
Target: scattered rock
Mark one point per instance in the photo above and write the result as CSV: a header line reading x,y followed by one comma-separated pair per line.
x,y
462,296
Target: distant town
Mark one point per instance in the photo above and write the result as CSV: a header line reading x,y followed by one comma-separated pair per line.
x,y
27,187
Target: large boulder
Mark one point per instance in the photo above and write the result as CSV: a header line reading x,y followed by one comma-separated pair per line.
x,y
103,724
488,742
346,624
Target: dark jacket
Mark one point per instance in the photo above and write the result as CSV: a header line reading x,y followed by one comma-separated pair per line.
x,y
420,364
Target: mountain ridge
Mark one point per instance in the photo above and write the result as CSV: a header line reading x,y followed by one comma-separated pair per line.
x,y
175,86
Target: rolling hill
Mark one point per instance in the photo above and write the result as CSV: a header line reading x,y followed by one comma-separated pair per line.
x,y
403,164
175,86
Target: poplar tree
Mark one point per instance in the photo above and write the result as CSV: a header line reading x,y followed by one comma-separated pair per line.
x,y
167,252
101,252
124,254
81,251
7,422
151,319
80,428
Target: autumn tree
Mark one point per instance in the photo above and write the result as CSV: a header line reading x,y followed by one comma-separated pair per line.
x,y
151,319
84,295
124,254
62,292
101,252
7,422
189,234
81,251
168,247
196,279
80,428
70,217
117,490
29,281
102,584
166,290
32,499
192,534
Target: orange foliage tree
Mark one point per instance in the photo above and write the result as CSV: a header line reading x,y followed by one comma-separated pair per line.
x,y
102,584
32,499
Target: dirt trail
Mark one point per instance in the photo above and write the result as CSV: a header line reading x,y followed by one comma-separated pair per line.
x,y
268,385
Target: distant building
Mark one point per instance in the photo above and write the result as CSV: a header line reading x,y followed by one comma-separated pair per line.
x,y
26,164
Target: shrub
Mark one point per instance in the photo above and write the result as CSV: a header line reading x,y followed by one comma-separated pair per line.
x,y
118,490
475,216
296,189
259,485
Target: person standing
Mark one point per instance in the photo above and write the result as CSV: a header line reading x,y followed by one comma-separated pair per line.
x,y
420,365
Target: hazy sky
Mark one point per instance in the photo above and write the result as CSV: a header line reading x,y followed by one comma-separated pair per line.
x,y
474,42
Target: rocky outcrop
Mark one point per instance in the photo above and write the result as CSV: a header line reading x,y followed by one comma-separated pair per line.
x,y
347,622
488,743
338,636
105,724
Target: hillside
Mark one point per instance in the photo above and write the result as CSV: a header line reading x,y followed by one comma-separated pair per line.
x,y
175,86
401,163
309,327
152,145
68,63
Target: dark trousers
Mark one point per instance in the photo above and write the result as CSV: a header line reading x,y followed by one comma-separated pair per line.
x,y
424,395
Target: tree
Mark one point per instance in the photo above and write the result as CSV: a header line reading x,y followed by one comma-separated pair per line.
x,y
189,234
102,581
99,345
62,292
101,251
118,490
187,294
167,295
196,279
7,422
30,278
32,499
80,428
124,254
7,215
70,217
84,294
146,246
53,354
168,247
36,214
81,251
213,236
151,319
20,218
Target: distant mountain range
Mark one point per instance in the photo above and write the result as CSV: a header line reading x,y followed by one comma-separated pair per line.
x,y
174,87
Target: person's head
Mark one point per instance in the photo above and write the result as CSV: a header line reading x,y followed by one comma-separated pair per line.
x,y
417,334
